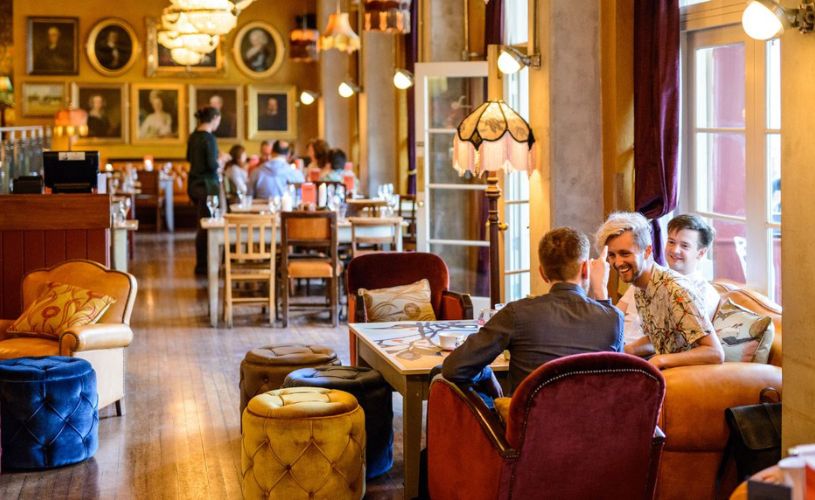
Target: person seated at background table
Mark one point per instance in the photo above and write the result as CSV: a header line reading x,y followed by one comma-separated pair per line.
x,y
273,177
265,152
318,165
671,312
337,160
535,330
689,239
235,173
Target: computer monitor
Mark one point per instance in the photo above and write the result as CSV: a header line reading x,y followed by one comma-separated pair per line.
x,y
70,171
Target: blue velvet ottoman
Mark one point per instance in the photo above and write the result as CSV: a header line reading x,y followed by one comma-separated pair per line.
x,y
375,397
49,412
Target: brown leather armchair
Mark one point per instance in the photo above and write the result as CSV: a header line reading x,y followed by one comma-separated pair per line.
x,y
693,413
102,344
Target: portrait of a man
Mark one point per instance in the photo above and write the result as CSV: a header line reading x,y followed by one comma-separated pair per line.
x,y
272,112
52,46
104,107
225,100
113,47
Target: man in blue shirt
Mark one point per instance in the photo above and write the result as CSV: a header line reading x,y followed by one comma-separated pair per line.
x,y
273,177
536,330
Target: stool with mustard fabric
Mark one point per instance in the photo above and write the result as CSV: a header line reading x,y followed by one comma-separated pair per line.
x,y
303,443
265,368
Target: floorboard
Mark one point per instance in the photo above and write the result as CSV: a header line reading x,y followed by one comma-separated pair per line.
x,y
180,436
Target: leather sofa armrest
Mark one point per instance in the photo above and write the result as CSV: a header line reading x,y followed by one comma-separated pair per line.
x,y
94,337
692,415
456,305
4,324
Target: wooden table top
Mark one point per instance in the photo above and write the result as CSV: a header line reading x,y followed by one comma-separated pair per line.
x,y
412,347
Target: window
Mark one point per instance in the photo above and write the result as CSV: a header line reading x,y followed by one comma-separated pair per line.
x,y
731,152
516,184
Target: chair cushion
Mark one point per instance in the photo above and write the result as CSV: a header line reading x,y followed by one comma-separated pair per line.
x,y
312,268
59,308
745,336
399,303
28,346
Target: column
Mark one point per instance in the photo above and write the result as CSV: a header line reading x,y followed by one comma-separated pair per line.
x,y
381,109
335,66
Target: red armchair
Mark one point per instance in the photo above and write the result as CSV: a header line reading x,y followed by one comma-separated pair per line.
x,y
584,426
388,269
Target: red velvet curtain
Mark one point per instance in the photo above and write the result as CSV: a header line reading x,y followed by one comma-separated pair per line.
x,y
656,110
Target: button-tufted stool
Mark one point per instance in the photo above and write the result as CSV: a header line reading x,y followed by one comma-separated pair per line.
x,y
303,443
375,398
49,411
265,368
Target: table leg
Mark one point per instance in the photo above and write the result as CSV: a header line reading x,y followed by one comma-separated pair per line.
x,y
213,263
412,434
169,215
119,249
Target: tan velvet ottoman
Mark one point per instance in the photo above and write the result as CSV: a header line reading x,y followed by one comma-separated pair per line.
x,y
265,368
303,443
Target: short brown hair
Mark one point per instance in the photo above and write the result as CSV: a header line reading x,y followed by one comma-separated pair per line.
x,y
695,223
561,252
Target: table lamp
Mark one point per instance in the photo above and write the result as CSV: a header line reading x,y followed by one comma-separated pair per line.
x,y
493,138
72,122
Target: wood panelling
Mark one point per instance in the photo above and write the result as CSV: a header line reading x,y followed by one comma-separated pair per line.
x,y
42,230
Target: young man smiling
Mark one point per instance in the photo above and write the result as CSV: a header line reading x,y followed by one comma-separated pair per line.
x,y
689,239
677,331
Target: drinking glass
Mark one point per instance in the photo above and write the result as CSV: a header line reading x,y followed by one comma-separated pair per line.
x,y
212,205
124,206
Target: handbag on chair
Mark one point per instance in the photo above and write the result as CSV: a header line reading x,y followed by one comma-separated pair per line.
x,y
755,434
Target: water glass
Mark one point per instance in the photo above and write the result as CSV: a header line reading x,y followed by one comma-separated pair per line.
x,y
212,205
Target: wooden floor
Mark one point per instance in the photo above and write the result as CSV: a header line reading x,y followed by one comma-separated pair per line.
x,y
180,436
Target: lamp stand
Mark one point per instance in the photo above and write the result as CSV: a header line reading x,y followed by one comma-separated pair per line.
x,y
493,193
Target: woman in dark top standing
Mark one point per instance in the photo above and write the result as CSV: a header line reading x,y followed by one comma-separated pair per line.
x,y
202,153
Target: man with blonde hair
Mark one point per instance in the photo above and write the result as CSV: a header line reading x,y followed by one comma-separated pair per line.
x,y
677,330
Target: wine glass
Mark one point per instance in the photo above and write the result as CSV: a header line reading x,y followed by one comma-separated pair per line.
x,y
124,206
212,205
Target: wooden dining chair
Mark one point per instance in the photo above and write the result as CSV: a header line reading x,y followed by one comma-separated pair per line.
x,y
315,232
407,211
375,232
250,257
150,197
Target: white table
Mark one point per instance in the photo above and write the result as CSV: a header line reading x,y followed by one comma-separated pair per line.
x,y
118,243
215,244
405,352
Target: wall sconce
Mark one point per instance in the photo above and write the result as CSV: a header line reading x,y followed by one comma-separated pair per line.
x,y
512,60
402,79
766,19
308,97
348,88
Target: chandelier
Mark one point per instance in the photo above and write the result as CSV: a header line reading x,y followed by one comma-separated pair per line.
x,y
338,34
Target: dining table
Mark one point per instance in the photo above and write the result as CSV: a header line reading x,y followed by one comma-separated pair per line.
x,y
215,245
118,242
405,352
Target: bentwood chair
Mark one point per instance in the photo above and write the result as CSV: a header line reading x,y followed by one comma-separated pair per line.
x,y
372,233
150,197
583,426
251,258
315,232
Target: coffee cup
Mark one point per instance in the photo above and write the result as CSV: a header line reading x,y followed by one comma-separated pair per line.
x,y
450,341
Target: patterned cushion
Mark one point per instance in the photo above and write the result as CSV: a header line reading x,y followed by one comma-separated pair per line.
x,y
745,336
399,303
60,308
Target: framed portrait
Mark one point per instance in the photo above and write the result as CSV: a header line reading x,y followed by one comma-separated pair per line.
x,y
52,47
258,49
228,99
42,98
112,47
272,114
106,105
160,61
157,115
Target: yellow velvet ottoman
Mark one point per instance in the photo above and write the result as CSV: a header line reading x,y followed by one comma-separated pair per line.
x,y
303,443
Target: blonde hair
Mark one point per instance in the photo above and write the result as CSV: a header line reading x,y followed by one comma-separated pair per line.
x,y
620,222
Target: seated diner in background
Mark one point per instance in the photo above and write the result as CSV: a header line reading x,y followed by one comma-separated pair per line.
x,y
689,239
265,152
273,177
677,330
337,160
235,175
318,165
535,330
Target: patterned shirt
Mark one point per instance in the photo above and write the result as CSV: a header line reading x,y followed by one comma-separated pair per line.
x,y
670,312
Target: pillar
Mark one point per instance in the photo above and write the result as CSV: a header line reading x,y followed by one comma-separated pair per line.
x,y
335,66
381,109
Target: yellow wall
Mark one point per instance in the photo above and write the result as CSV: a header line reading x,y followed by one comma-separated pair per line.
x,y
279,14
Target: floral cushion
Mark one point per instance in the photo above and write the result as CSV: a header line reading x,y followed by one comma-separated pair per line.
x,y
399,303
60,308
745,336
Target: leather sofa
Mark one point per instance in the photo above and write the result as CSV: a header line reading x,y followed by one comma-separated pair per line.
x,y
102,344
692,415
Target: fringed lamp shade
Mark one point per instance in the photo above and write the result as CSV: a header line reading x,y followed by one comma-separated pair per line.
x,y
71,121
339,35
493,137
303,40
391,16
